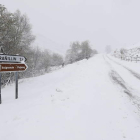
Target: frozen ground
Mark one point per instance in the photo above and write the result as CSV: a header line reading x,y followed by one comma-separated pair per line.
x,y
95,99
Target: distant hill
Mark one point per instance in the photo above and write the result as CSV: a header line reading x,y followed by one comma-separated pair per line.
x,y
44,43
136,45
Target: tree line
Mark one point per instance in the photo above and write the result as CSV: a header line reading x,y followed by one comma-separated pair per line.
x,y
79,51
16,38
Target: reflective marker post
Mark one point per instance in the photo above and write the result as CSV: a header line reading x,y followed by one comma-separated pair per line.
x,y
16,85
0,89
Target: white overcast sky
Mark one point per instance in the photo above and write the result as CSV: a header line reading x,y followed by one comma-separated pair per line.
x,y
102,22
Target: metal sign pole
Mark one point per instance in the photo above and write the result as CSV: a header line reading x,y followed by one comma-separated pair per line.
x,y
0,90
16,85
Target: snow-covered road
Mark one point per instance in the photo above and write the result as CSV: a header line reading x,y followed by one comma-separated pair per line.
x,y
129,76
89,100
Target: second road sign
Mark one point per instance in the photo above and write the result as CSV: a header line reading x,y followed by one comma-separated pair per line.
x,y
5,67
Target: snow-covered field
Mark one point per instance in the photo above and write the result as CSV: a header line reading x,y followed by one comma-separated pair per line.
x,y
95,99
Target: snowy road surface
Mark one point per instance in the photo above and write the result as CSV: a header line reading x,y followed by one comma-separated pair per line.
x,y
95,99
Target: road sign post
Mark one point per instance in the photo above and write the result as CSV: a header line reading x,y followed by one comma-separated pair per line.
x,y
16,85
0,89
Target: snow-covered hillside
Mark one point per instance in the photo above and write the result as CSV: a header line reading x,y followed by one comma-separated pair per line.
x,y
44,43
95,99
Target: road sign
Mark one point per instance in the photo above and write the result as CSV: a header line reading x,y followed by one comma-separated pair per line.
x,y
12,67
12,63
12,58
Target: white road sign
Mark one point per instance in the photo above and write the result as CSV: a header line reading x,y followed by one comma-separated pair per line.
x,y
12,58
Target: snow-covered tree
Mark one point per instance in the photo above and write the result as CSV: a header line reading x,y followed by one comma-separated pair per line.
x,y
56,59
86,50
17,36
79,51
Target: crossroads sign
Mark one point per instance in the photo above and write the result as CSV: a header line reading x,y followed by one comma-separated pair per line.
x,y
5,67
12,58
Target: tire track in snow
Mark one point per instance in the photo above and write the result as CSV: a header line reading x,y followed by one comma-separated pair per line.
x,y
131,71
117,79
